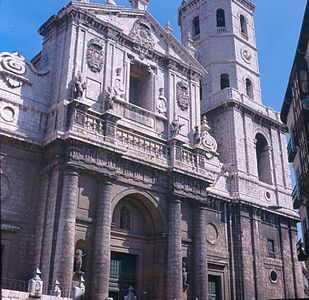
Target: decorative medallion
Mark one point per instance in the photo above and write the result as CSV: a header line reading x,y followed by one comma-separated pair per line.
x,y
246,55
8,114
211,234
13,69
141,35
95,55
182,94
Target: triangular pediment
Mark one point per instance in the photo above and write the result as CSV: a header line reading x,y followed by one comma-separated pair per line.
x,y
141,28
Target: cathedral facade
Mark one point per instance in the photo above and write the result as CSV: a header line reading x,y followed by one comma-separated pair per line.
x,y
139,162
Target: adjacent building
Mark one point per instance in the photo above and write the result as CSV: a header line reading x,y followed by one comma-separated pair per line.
x,y
130,159
295,113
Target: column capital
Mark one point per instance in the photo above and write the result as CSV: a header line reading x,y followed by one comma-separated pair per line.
x,y
71,170
174,200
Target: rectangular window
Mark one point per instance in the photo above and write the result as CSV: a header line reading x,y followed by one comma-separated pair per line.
x,y
214,287
140,86
271,248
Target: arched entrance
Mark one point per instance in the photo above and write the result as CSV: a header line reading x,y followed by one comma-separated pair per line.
x,y
137,248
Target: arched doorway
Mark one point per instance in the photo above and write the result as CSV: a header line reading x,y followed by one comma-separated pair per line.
x,y
137,248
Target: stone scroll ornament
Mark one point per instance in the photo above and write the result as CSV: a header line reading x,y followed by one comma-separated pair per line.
x,y
95,55
206,140
141,35
13,69
182,94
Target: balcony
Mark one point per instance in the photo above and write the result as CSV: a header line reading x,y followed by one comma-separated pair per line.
x,y
297,201
291,152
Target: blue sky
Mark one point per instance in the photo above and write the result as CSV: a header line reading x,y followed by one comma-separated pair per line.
x,y
277,23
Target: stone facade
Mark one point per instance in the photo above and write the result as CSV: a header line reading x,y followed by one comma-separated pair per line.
x,y
104,150
295,114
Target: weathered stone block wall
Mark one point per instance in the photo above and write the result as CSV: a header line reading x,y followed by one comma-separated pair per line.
x,y
20,185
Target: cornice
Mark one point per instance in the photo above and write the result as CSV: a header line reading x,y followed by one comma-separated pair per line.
x,y
250,111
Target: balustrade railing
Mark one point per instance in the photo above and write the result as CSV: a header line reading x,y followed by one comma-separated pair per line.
x,y
143,144
14,284
87,122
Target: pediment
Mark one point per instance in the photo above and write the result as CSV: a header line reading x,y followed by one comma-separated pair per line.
x,y
143,30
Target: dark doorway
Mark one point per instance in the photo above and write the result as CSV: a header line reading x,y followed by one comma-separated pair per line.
x,y
214,289
122,274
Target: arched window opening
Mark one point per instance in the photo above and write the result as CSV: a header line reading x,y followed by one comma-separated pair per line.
x,y
243,25
125,218
304,83
196,26
220,18
249,88
263,159
224,81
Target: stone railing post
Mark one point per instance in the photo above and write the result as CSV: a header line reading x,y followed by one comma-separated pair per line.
x,y
101,252
174,259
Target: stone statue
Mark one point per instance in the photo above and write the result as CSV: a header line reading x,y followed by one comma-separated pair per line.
x,y
79,87
130,295
175,128
78,260
196,136
184,276
115,92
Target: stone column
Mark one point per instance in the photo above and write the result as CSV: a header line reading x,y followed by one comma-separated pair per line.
x,y
64,256
174,258
49,223
101,252
41,208
200,254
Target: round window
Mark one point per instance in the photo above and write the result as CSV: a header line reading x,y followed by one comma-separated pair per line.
x,y
273,276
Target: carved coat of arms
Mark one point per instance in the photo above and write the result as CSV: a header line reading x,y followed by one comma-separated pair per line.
x,y
182,92
141,35
95,55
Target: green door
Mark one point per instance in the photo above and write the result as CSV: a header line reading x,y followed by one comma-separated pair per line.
x,y
214,287
122,274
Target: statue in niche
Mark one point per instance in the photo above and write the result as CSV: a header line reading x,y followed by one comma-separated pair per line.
x,y
78,261
161,106
116,92
175,128
196,136
79,87
184,276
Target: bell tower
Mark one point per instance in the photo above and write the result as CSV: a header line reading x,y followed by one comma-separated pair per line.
x,y
224,37
251,139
